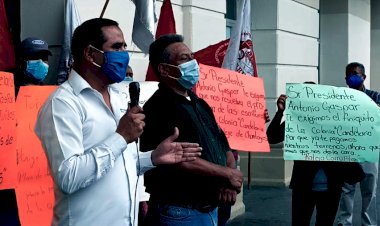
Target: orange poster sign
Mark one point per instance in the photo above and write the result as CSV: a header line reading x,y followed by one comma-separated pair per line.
x,y
238,103
8,161
35,196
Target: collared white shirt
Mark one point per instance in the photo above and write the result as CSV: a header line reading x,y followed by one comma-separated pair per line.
x,y
95,171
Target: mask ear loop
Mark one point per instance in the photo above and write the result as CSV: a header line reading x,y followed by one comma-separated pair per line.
x,y
171,65
101,51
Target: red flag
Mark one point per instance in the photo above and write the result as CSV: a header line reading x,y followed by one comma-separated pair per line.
x,y
212,55
166,25
7,54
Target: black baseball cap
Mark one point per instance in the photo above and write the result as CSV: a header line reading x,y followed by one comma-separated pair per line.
x,y
31,46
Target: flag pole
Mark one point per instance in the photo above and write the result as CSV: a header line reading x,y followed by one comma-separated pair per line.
x,y
104,8
249,170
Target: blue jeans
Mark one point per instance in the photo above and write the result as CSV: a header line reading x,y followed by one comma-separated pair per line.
x,y
170,215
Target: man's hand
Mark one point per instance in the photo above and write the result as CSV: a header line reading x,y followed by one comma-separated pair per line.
x,y
170,152
227,196
235,178
281,102
131,125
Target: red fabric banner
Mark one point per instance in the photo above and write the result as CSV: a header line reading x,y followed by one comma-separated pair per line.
x,y
7,54
166,25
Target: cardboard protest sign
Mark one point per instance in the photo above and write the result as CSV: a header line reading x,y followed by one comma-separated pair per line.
x,y
238,103
8,160
35,204
146,90
35,196
326,123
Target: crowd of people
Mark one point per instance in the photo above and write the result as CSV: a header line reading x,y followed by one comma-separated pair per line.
x,y
98,147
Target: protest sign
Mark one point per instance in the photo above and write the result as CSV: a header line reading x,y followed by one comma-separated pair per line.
x,y
35,196
8,160
326,123
146,90
238,103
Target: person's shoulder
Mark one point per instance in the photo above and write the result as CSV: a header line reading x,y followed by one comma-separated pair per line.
x,y
375,95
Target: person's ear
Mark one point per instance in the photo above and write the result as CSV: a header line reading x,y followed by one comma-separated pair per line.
x,y
92,55
163,69
364,76
88,54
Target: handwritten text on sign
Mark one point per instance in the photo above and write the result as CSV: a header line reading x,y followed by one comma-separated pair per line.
x,y
238,102
35,196
8,164
326,123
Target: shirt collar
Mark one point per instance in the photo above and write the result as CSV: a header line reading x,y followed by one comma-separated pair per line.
x,y
77,82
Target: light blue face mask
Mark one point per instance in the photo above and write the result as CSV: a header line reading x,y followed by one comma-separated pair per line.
x,y
37,69
190,74
128,79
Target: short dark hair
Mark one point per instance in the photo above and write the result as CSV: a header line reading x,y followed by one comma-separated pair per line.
x,y
157,50
309,82
89,32
353,65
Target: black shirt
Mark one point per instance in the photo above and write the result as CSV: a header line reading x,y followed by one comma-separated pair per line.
x,y
196,123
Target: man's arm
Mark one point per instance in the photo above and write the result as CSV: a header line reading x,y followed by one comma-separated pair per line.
x,y
228,195
233,177
276,129
59,128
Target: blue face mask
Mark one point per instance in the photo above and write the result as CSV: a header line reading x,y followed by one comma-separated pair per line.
x,y
37,69
190,74
115,64
354,81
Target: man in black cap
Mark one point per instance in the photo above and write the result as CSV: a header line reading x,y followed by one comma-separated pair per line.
x,y
32,68
32,64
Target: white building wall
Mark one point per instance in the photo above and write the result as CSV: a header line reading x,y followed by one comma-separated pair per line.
x,y
285,35
345,37
359,35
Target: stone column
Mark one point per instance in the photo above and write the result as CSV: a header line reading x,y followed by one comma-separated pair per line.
x,y
285,35
345,37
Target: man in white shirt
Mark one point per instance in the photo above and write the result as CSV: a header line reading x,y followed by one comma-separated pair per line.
x,y
88,134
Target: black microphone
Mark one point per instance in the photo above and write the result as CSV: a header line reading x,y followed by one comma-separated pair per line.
x,y
134,93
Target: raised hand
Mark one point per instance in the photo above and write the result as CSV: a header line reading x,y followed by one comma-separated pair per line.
x,y
131,125
281,102
170,152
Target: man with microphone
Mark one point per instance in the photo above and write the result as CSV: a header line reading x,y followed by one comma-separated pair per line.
x,y
89,139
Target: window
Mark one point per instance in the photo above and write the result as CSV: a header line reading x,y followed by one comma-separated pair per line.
x,y
230,16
